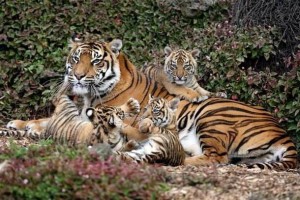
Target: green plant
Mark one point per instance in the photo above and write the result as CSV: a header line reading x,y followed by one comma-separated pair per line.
x,y
33,49
47,171
233,59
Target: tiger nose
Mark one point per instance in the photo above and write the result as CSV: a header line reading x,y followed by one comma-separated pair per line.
x,y
180,77
179,74
79,76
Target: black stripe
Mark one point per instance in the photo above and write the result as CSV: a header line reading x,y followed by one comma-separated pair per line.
x,y
132,75
268,144
263,126
214,131
217,122
291,148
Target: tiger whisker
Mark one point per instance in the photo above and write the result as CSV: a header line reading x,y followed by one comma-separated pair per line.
x,y
60,77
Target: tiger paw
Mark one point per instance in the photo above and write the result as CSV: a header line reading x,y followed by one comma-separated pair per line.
x,y
133,107
122,156
197,99
146,125
17,125
131,145
221,95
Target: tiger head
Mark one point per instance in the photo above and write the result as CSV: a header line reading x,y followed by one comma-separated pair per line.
x,y
92,68
161,111
108,122
180,65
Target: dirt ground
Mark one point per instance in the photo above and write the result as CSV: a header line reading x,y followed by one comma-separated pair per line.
x,y
231,182
225,183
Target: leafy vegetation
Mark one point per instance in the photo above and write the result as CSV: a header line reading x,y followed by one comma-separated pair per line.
x,y
236,60
49,171
33,48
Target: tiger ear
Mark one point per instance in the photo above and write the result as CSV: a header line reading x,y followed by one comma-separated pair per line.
x,y
116,46
167,51
90,112
76,40
173,104
77,37
195,53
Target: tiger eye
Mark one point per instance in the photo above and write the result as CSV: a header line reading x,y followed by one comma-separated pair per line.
x,y
96,61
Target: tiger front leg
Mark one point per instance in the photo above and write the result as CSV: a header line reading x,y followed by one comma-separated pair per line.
x,y
204,92
30,132
128,156
133,133
35,126
148,152
184,92
16,124
194,95
63,90
219,94
140,133
146,126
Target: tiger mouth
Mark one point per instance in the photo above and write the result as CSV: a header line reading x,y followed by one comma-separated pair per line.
x,y
78,85
180,82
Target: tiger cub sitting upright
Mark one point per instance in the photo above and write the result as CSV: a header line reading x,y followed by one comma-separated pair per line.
x,y
163,145
178,75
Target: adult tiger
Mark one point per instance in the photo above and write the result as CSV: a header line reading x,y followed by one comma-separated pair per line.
x,y
213,131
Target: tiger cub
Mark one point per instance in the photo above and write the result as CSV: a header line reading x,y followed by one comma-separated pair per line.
x,y
108,124
163,145
68,127
178,75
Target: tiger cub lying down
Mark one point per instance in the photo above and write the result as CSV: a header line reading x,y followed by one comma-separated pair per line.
x,y
178,75
159,122
163,145
67,126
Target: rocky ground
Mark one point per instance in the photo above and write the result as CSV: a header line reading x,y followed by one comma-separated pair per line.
x,y
226,182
